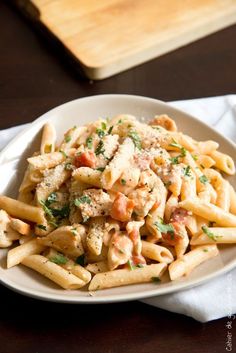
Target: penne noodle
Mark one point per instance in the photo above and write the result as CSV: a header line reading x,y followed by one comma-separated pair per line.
x,y
46,161
223,162
123,277
48,139
209,211
215,235
97,267
156,252
190,260
21,210
118,164
54,272
88,175
17,254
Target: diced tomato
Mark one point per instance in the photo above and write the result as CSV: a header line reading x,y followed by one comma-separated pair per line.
x,y
173,238
122,208
85,159
179,215
138,259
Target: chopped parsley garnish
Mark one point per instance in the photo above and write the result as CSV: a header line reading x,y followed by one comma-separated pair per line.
x,y
64,153
46,209
104,125
100,132
89,142
101,169
203,179
181,148
175,144
61,212
174,160
135,138
80,260
82,200
123,181
165,228
59,259
110,130
67,138
41,226
132,266
205,250
156,280
211,235
120,121
194,156
55,215
187,171
100,148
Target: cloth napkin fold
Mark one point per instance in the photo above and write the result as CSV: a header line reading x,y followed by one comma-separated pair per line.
x,y
216,298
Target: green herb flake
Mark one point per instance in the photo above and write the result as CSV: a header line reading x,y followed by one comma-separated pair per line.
x,y
175,144
61,212
156,280
205,250
120,121
183,152
131,265
165,228
110,130
211,235
100,148
101,169
82,200
41,226
89,142
63,153
123,181
80,260
135,138
67,138
59,259
104,125
174,160
187,171
100,133
203,179
46,209
195,157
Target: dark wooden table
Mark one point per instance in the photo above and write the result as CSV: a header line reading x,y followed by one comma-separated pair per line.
x,y
34,79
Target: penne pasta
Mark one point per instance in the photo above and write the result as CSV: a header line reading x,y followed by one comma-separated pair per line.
x,y
209,211
48,139
17,254
190,260
55,273
123,277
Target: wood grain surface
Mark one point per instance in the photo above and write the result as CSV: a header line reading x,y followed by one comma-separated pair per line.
x,y
109,36
34,78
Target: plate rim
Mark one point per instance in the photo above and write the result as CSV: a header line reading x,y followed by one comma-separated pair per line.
x,y
92,299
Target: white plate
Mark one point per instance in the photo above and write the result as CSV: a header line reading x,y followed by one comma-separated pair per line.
x,y
81,111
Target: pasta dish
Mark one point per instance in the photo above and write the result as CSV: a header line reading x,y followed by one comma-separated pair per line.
x,y
119,202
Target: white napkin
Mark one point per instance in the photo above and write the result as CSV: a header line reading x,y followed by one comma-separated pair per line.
x,y
215,299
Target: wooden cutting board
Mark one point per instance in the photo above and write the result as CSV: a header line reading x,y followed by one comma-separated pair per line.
x,y
109,36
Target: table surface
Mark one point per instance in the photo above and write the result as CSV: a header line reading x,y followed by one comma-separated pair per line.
x,y
34,78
